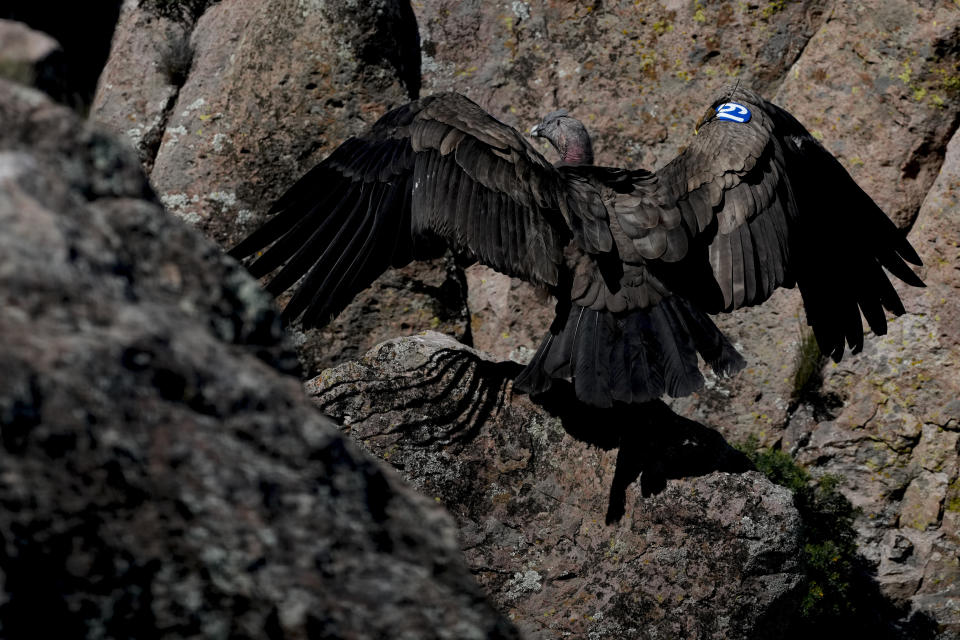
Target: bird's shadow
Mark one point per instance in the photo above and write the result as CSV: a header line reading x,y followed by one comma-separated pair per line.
x,y
456,392
654,443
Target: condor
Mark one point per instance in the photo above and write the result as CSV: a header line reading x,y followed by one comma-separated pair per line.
x,y
636,260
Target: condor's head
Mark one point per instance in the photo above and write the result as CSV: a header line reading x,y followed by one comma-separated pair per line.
x,y
567,135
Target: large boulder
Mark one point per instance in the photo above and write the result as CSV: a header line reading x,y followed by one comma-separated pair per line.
x,y
229,108
229,104
161,474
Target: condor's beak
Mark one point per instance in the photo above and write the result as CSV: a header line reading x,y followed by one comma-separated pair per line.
x,y
707,116
535,130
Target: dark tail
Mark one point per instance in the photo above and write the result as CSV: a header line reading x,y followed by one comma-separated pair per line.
x,y
630,358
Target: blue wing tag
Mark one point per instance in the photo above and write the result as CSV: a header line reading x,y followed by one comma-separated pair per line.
x,y
733,111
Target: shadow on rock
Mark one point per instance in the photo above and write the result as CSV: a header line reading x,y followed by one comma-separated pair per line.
x,y
554,497
450,395
445,399
654,443
455,391
841,595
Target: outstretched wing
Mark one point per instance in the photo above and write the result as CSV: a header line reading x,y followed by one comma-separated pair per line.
x,y
755,202
441,167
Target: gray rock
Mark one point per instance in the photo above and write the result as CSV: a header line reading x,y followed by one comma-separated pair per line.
x,y
159,476
508,317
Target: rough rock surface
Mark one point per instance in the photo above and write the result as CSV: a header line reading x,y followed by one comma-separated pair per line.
x,y
158,475
878,81
229,111
508,317
893,436
711,554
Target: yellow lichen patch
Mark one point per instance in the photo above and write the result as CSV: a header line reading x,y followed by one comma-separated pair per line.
x,y
952,502
772,8
904,75
661,27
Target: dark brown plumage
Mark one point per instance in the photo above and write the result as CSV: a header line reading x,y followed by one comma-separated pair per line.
x,y
635,259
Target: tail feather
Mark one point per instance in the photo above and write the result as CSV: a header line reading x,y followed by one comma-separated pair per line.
x,y
711,344
632,357
591,374
646,369
682,375
557,359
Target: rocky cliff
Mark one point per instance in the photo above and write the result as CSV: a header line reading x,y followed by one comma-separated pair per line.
x,y
636,531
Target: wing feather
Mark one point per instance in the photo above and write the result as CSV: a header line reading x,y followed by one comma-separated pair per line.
x,y
749,258
737,288
438,167
763,205
744,209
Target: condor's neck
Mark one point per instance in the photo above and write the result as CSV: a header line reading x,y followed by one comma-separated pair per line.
x,y
577,152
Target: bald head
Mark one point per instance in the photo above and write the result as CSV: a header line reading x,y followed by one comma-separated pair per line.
x,y
568,136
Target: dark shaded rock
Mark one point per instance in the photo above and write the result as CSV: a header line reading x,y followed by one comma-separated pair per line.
x,y
83,29
553,525
158,475
32,58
